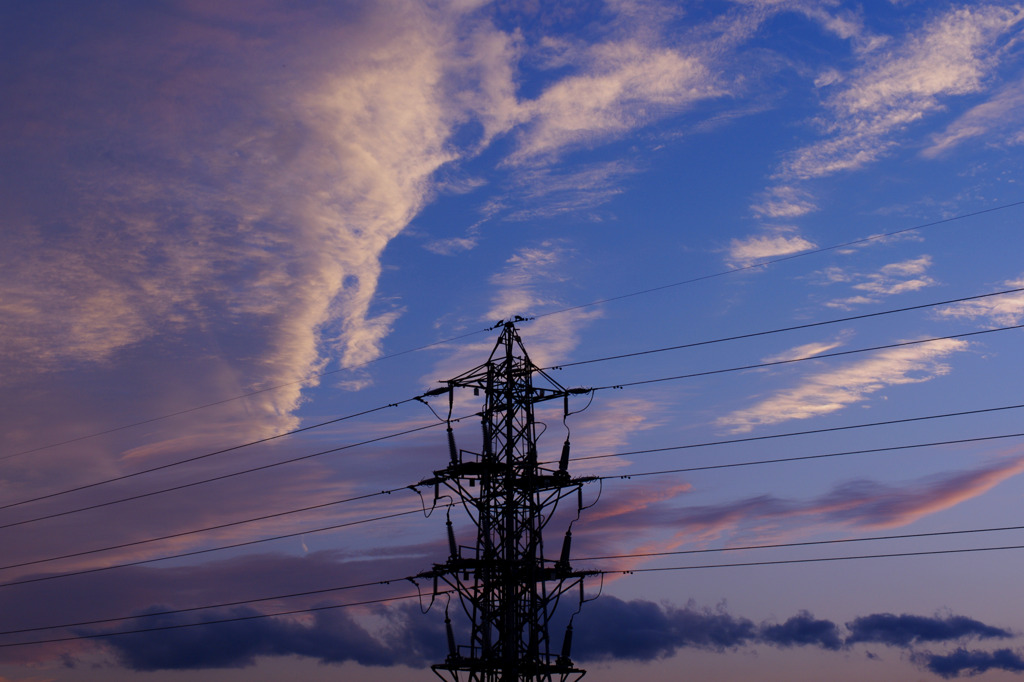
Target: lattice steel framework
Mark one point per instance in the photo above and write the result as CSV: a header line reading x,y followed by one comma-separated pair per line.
x,y
506,585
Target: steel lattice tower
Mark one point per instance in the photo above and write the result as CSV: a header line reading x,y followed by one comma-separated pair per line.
x,y
507,587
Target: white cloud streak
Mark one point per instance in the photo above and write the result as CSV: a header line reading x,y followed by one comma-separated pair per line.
x,y
623,85
834,390
890,280
752,249
895,87
1005,310
1002,115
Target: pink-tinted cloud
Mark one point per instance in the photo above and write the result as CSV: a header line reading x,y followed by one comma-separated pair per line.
x,y
863,504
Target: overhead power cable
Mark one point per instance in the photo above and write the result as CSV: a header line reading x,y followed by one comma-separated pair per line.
x,y
220,605
207,529
637,555
780,259
249,394
222,477
481,331
632,571
802,458
394,490
235,619
810,325
180,555
815,560
806,358
808,543
829,429
169,465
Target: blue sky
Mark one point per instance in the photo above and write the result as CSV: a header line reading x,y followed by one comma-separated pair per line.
x,y
225,222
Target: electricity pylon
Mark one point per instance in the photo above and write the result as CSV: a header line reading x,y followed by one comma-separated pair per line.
x,y
507,587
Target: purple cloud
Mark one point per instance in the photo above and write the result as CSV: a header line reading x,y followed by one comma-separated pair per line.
x,y
970,663
905,630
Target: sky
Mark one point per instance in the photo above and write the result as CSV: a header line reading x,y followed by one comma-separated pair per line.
x,y
226,222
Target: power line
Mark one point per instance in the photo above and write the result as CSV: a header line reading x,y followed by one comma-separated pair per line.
x,y
197,531
800,458
783,545
748,439
219,478
809,543
809,357
481,331
188,554
815,560
785,329
234,619
221,605
237,397
393,490
620,385
442,592
204,456
781,259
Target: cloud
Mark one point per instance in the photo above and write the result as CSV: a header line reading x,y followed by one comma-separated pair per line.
x,y
803,630
209,228
834,390
752,249
862,503
548,192
999,115
806,350
785,201
898,86
889,280
905,630
970,662
332,637
1005,310
623,85
611,628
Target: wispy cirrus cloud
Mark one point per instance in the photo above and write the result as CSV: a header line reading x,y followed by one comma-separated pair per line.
x,y
622,85
834,390
806,350
998,121
862,504
749,250
233,196
785,201
1007,309
889,280
900,84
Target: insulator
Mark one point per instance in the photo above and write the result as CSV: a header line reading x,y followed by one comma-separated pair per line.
x,y
437,490
563,560
563,462
451,446
451,636
451,540
567,643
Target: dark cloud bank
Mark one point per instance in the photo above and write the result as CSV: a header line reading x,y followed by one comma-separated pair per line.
x,y
609,629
